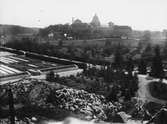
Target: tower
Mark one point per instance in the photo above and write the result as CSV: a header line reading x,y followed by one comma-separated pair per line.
x,y
95,21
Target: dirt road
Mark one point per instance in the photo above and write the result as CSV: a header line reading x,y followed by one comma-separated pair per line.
x,y
143,91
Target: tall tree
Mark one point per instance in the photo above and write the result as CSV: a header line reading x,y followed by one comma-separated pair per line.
x,y
50,76
129,66
165,47
118,58
142,68
11,107
60,43
147,52
157,67
146,36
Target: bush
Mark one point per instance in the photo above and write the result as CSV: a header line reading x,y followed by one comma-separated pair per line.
x,y
50,76
158,90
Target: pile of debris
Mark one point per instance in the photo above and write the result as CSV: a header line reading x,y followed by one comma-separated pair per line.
x,y
42,94
80,101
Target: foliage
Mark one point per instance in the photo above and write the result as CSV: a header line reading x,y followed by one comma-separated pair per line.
x,y
157,68
60,43
129,66
147,52
165,49
142,68
118,61
158,90
81,31
50,76
116,82
147,36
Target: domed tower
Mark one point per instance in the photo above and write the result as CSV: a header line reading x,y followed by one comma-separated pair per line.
x,y
95,21
77,21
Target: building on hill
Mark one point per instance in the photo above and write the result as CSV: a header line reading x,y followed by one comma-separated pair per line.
x,y
25,35
122,31
111,25
3,40
77,21
95,21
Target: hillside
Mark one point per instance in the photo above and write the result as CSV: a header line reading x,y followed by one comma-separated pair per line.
x,y
12,30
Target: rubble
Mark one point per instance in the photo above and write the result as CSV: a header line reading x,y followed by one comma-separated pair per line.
x,y
42,94
83,102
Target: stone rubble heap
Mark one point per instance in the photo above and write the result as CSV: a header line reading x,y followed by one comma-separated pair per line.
x,y
90,104
41,94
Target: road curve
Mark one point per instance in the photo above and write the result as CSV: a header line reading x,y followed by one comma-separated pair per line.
x,y
144,92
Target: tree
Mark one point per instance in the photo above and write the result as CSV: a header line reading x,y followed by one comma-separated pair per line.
x,y
129,66
147,53
156,67
165,48
11,106
146,36
50,76
142,68
57,77
112,96
107,43
118,58
60,43
148,48
81,30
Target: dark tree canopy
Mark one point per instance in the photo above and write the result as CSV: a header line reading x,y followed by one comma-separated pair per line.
x,y
118,58
157,67
129,66
147,36
50,76
142,68
60,43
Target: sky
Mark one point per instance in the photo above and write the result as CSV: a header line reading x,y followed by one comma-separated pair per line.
x,y
139,14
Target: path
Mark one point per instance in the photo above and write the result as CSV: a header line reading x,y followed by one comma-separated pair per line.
x,y
144,92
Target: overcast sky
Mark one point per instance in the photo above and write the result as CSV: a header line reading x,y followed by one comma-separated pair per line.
x,y
139,14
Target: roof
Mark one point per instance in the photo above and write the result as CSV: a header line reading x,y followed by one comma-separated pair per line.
x,y
77,21
95,21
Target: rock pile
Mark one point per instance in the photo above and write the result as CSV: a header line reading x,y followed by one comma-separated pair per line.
x,y
44,95
90,104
